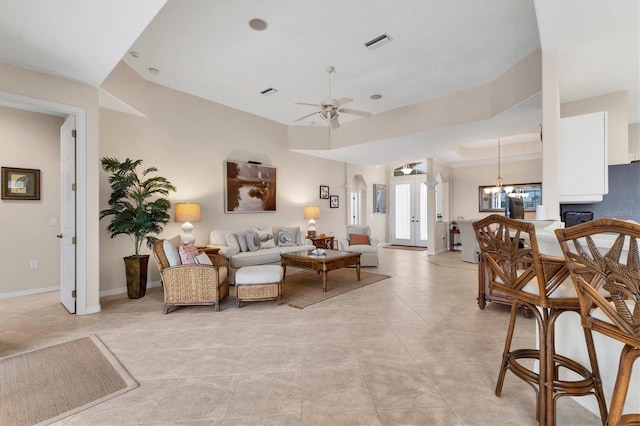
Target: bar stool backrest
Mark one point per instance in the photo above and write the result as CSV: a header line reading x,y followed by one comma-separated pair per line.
x,y
509,249
604,261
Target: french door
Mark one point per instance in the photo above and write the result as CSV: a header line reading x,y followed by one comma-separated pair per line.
x,y
409,211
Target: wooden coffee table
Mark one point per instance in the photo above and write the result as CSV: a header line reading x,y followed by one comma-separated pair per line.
x,y
331,261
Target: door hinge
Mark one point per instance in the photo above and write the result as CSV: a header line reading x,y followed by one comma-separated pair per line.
x,y
73,293
73,186
73,240
73,133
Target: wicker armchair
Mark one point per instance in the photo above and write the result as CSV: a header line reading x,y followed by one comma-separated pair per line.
x,y
515,267
608,283
192,284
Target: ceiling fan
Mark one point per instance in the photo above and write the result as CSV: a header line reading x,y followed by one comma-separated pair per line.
x,y
331,108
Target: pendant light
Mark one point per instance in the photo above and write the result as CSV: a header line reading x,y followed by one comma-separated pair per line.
x,y
406,169
499,180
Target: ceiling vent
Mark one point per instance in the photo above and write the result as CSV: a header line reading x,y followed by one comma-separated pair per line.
x,y
269,91
379,41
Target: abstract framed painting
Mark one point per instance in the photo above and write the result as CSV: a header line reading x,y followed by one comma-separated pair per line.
x,y
20,184
249,187
334,201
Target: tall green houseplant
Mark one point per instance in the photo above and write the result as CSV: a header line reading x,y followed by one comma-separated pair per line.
x,y
139,208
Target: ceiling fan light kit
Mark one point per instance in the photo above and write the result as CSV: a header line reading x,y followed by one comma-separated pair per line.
x,y
330,108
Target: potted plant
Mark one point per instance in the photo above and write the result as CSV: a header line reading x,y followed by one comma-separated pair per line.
x,y
454,225
139,209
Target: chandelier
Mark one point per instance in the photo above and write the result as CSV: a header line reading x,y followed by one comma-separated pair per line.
x,y
499,180
406,169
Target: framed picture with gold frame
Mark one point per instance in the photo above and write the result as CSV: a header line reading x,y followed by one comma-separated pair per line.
x,y
250,187
20,184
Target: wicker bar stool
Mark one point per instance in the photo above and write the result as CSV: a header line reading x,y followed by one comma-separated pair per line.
x,y
515,267
609,292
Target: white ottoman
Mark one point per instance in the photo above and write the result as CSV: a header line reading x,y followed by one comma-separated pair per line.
x,y
262,282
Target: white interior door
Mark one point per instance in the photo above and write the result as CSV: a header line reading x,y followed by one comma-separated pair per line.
x,y
409,211
68,214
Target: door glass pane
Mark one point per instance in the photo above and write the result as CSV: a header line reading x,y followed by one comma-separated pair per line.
x,y
423,212
355,208
402,208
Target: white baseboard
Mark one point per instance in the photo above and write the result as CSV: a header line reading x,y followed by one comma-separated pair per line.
x,y
121,290
28,292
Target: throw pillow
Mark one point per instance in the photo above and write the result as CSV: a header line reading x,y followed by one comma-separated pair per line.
x,y
265,236
358,239
232,240
252,241
171,252
288,237
242,240
177,240
203,259
188,253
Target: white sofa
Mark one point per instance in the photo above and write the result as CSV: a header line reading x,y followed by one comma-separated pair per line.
x,y
285,240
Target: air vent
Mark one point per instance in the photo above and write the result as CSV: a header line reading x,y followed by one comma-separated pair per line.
x,y
269,91
379,41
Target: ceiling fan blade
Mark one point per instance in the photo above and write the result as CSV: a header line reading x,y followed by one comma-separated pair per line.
x,y
307,116
355,112
308,104
334,122
343,101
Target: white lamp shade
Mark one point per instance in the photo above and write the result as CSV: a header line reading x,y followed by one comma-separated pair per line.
x,y
312,213
187,212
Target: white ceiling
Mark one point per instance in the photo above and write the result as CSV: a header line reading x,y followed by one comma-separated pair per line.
x,y
206,48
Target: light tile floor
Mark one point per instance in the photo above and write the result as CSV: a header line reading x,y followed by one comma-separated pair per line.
x,y
413,349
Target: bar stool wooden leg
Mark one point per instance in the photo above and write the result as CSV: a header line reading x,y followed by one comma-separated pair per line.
x,y
595,370
507,348
627,357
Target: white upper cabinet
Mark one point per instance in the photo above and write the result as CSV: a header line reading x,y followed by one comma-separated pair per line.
x,y
582,158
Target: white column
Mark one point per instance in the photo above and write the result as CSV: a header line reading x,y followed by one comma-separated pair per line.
x,y
550,132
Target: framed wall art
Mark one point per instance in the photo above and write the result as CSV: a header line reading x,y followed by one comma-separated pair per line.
x,y
20,184
379,198
334,201
324,192
249,187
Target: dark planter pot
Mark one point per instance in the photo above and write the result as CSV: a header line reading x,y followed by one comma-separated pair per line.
x,y
136,267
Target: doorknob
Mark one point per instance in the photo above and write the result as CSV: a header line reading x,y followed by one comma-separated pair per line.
x,y
59,235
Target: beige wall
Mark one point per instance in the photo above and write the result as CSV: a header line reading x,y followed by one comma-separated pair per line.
x,y
617,108
32,141
188,139
379,222
465,182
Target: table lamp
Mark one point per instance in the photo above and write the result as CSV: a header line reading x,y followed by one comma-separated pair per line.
x,y
187,213
312,213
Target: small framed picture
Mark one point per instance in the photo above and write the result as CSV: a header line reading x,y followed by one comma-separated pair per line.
x,y
20,184
324,192
334,201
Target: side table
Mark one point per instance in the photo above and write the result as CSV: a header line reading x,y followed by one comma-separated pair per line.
x,y
323,241
208,249
452,239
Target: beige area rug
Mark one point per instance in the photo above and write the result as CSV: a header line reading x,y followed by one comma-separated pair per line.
x,y
451,259
46,385
305,289
412,248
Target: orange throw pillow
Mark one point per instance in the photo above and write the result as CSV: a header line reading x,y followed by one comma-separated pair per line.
x,y
358,239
